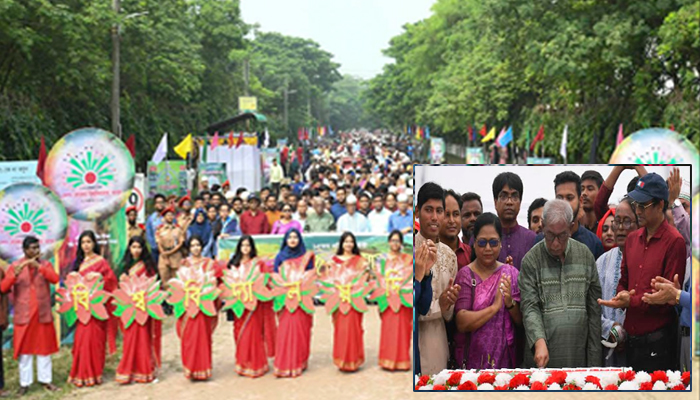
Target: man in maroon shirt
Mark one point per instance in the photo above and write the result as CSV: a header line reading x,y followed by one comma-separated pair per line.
x,y
254,221
654,250
449,229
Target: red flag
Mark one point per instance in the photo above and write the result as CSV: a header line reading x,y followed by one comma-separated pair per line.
x,y
240,140
482,132
131,145
673,128
306,134
42,160
230,139
538,138
471,132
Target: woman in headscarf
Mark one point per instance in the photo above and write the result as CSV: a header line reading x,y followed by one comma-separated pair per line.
x,y
141,348
294,332
202,228
251,359
90,339
605,232
348,344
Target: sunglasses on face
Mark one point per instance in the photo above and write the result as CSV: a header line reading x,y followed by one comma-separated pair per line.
x,y
483,242
643,206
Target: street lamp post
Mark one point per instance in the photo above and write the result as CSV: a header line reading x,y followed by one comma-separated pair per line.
x,y
287,92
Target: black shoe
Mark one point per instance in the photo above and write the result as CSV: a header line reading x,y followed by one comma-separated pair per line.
x,y
22,390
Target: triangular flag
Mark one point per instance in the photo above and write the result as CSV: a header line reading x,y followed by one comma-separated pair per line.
x,y
620,136
506,138
538,138
527,140
42,160
240,140
162,150
215,140
131,145
230,139
205,152
427,132
185,147
470,132
267,138
500,135
562,149
490,136
482,132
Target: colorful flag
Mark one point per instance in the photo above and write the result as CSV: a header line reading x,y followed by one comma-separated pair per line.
x,y
470,132
162,150
506,137
562,148
538,138
620,136
240,140
527,140
42,160
300,134
215,140
230,139
267,138
482,132
490,136
500,135
185,147
427,132
131,145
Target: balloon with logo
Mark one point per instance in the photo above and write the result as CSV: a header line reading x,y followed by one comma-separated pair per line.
x,y
82,298
92,172
28,209
658,146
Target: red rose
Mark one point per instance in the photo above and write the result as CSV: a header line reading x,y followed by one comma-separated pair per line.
x,y
556,377
538,386
571,386
627,376
646,386
455,378
422,381
685,378
439,387
468,385
486,378
659,376
678,387
611,387
594,380
519,379
504,387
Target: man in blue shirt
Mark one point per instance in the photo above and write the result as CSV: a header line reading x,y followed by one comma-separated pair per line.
x,y
567,187
401,219
153,222
338,207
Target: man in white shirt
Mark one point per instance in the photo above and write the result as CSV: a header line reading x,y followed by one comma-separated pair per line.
x,y
379,216
276,176
353,221
300,214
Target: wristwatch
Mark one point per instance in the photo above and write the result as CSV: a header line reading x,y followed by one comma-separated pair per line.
x,y
678,297
676,203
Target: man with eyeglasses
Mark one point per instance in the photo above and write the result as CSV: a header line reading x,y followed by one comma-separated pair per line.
x,y
507,195
567,187
656,250
559,287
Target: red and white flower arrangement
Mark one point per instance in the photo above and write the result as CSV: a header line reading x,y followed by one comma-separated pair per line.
x,y
554,379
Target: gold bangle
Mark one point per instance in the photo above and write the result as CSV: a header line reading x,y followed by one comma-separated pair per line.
x,y
678,297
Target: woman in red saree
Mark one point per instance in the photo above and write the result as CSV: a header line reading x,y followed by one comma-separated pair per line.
x,y
294,331
196,333
251,359
142,343
348,344
90,339
395,338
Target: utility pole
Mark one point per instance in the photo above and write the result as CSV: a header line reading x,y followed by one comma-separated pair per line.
x,y
116,126
286,102
246,74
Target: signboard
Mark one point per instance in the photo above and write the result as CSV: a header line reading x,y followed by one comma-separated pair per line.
x,y
539,160
437,150
475,155
17,172
137,198
247,103
214,173
167,178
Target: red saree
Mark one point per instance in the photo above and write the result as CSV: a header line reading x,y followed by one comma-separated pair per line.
x,y
248,331
269,322
348,344
90,339
293,333
395,339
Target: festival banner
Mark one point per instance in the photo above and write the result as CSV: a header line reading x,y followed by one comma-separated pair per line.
x,y
539,160
137,198
324,245
475,155
168,178
214,173
437,150
92,172
12,172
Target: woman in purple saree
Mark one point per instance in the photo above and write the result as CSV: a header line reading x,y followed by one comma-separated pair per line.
x,y
487,309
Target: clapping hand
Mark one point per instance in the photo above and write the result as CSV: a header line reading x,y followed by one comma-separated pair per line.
x,y
426,256
504,288
663,291
621,300
449,296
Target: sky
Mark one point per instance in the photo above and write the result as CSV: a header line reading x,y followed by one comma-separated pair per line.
x,y
354,31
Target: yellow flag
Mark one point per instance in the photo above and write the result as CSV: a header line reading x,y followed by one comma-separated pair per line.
x,y
489,136
184,147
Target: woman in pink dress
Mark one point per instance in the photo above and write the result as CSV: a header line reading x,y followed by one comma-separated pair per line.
x,y
285,223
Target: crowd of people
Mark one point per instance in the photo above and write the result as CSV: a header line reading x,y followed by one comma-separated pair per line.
x,y
371,194
588,283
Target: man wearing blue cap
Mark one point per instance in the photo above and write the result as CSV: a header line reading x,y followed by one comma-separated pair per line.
x,y
657,249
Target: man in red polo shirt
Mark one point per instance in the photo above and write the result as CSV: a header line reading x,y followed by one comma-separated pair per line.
x,y
657,249
254,221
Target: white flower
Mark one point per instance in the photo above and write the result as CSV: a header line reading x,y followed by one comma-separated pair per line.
x,y
503,379
485,386
469,376
576,378
590,386
659,386
554,386
522,387
609,378
673,375
627,385
539,376
416,380
442,377
426,387
642,377
673,383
